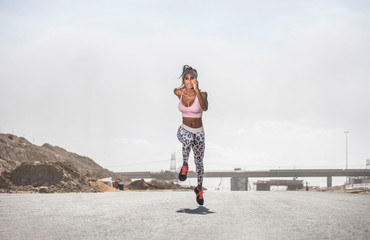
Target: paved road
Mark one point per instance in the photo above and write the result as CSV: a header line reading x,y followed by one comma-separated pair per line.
x,y
175,215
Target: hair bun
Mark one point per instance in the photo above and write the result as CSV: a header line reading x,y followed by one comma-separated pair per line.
x,y
185,67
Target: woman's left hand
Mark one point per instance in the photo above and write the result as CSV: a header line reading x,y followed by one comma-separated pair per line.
x,y
195,84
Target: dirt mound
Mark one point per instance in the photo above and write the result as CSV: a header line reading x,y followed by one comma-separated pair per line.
x,y
154,185
167,184
140,185
16,150
44,177
7,165
103,187
36,174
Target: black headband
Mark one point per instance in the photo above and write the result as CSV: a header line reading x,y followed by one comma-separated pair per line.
x,y
189,71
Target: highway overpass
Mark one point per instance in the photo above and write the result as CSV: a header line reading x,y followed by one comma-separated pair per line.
x,y
275,173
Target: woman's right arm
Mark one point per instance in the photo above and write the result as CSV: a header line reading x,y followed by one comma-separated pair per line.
x,y
177,92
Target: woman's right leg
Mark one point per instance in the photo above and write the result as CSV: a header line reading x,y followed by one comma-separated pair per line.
x,y
185,137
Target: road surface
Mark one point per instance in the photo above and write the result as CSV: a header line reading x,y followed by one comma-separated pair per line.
x,y
175,215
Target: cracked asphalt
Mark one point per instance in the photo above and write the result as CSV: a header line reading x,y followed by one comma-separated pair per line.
x,y
176,215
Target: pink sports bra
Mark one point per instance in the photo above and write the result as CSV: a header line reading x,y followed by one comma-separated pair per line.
x,y
194,111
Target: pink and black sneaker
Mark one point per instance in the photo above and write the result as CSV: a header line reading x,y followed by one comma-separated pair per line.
x,y
183,173
199,193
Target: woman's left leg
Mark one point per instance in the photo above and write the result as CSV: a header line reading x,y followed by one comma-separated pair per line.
x,y
198,146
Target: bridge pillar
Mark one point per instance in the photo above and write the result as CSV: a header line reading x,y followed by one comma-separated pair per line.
x,y
239,184
329,182
233,184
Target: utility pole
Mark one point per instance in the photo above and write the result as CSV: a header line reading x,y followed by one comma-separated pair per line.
x,y
346,132
173,162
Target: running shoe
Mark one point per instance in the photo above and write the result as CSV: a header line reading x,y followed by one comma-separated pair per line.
x,y
183,173
199,193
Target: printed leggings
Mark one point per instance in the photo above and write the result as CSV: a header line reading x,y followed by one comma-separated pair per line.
x,y
193,138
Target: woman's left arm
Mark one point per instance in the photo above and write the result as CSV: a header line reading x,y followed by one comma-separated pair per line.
x,y
202,96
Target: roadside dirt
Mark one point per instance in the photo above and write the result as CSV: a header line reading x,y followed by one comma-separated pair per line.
x,y
43,177
155,185
102,187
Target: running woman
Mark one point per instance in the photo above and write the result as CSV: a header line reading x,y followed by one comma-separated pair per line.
x,y
191,134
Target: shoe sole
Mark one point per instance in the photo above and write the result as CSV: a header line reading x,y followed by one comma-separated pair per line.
x,y
182,177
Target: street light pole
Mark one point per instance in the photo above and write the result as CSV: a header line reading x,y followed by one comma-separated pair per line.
x,y
346,132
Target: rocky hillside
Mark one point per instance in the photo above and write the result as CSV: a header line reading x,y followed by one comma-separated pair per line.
x,y
16,150
44,177
25,167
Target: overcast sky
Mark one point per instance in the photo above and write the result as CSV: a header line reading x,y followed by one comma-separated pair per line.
x,y
284,79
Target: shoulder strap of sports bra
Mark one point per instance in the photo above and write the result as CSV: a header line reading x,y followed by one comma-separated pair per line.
x,y
182,92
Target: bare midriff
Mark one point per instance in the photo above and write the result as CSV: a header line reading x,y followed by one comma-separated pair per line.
x,y
192,122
